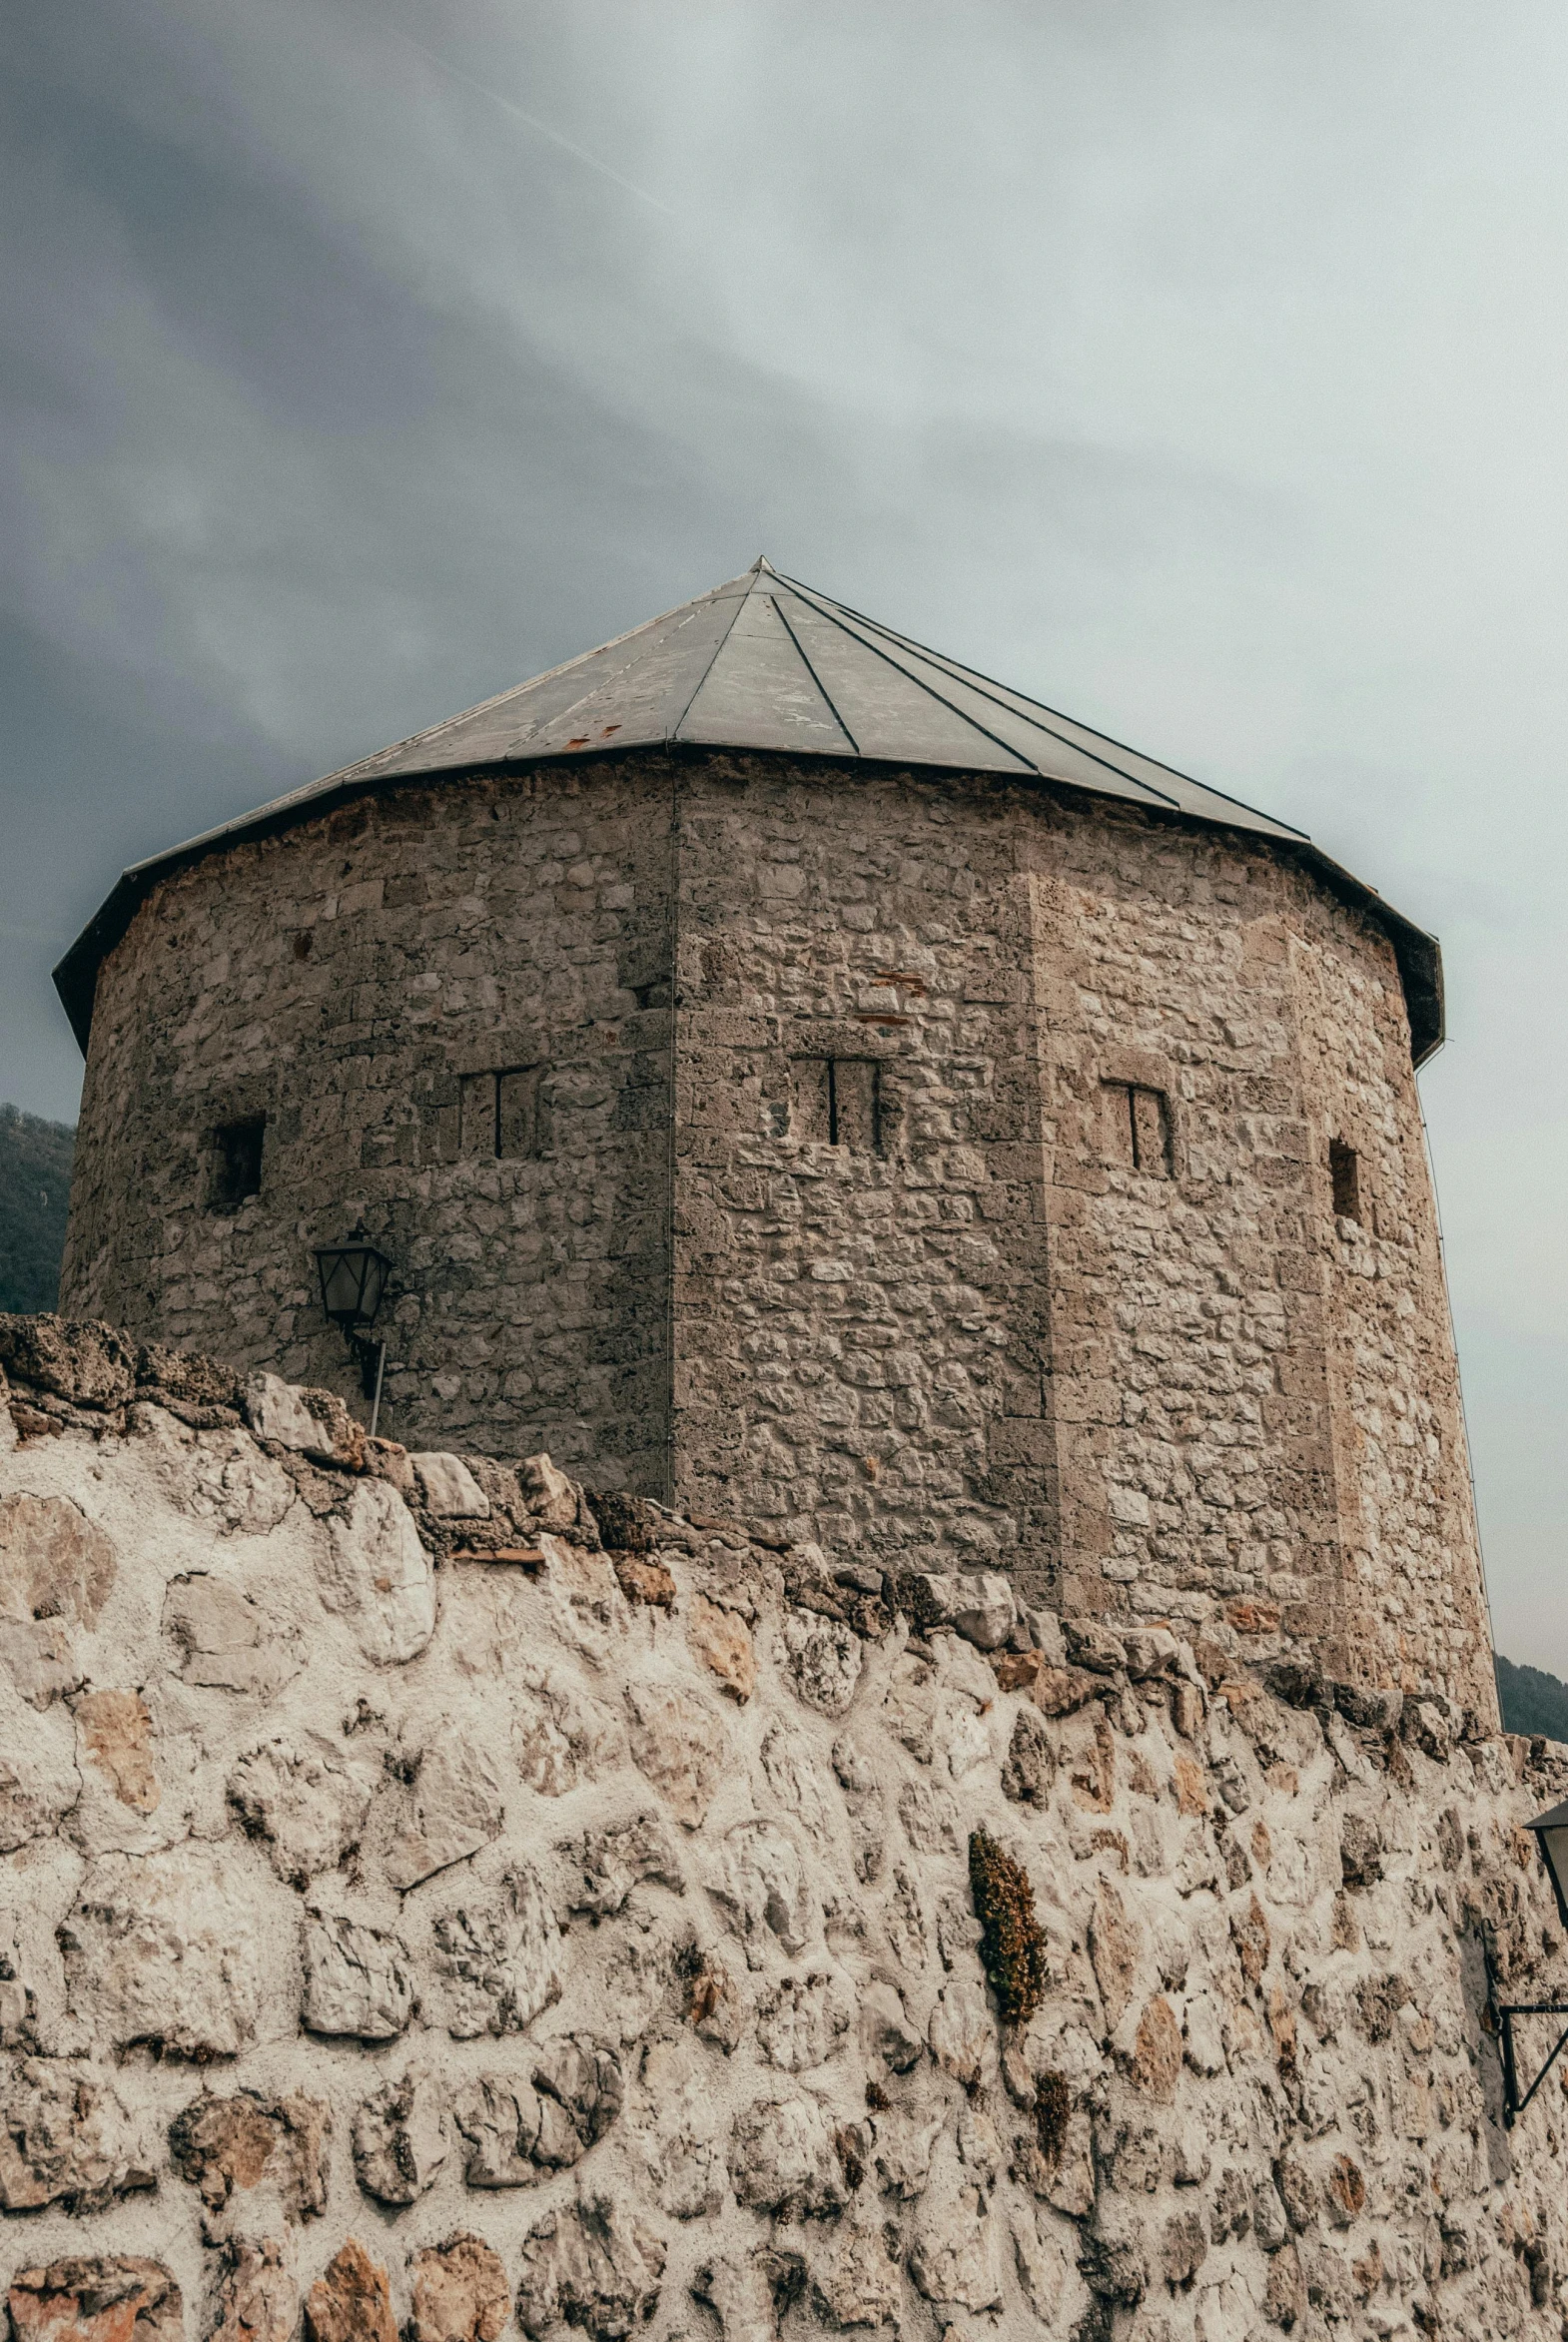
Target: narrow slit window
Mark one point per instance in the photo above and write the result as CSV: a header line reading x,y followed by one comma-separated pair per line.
x,y
1345,1173
1138,1128
499,1113
837,1101
237,1162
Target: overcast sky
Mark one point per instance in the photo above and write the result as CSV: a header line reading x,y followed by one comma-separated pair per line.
x,y
1200,368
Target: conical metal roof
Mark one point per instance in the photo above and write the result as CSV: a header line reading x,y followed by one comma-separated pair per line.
x,y
764,662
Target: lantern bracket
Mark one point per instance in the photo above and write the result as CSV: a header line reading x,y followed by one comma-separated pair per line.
x,y
1506,2011
354,1278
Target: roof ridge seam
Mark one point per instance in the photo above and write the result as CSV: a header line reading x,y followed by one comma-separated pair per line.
x,y
805,661
673,731
977,676
834,619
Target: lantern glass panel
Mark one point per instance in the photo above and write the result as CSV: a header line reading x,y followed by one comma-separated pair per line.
x,y
354,1277
341,1285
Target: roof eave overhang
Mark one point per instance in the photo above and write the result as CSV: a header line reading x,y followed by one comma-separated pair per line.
x,y
1418,953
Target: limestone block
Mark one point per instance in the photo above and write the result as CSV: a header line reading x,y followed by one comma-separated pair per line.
x,y
982,1610
799,1780
400,2138
962,2033
1060,1691
824,1658
595,2265
608,1864
453,1806
1114,1947
227,1639
719,2011
447,1487
89,1364
357,1979
551,1498
1151,1651
782,2159
585,1607
856,2278
738,2289
350,2300
227,2147
673,2122
680,1745
905,2143
519,2131
67,2137
722,1641
1157,2051
928,1815
137,1776
500,1958
1093,1645
56,1572
255,2299
802,2021
219,1475
886,2038
115,1736
560,1737
1029,1769
39,1780
760,1884
166,1947
1047,2257
373,1573
113,2299
275,1410
305,1799
645,1580
460,2291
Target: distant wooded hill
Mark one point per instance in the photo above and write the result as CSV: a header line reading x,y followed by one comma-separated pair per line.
x,y
1532,1699
34,1187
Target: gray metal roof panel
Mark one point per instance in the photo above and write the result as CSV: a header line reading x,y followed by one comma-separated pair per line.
x,y
765,662
764,687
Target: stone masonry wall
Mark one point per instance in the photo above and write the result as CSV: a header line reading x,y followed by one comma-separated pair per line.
x,y
935,1168
429,1905
1175,1388
342,979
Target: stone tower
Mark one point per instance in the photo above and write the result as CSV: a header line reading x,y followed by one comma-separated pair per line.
x,y
794,1073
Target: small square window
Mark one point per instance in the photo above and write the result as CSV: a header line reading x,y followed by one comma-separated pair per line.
x,y
1345,1173
235,1162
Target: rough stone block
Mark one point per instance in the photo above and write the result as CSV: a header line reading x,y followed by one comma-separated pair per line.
x,y
121,2298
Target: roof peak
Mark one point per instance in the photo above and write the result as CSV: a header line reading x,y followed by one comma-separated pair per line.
x,y
761,662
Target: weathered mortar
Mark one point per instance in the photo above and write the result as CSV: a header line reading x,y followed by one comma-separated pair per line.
x,y
592,1935
1186,1392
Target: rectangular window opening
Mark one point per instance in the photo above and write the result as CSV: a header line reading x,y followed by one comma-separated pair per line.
x,y
237,1162
1345,1173
1138,1128
499,1113
837,1101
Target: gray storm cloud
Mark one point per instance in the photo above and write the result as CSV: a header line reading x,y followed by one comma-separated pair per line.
x,y
1196,369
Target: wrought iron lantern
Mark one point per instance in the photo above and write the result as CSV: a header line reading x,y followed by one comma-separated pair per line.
x,y
1551,1836
354,1278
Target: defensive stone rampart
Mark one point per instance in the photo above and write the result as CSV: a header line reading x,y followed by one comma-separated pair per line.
x,y
432,1898
924,1164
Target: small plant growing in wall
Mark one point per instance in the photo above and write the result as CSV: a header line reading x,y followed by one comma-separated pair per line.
x,y
1012,1942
